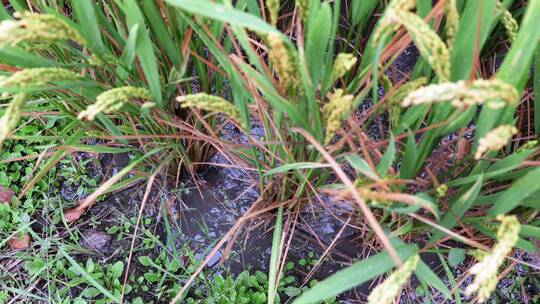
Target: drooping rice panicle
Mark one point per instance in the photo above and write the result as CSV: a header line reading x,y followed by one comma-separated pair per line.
x,y
429,44
387,23
303,7
495,140
385,292
113,100
11,116
36,77
510,24
343,63
451,25
485,271
283,60
495,93
273,9
333,112
42,29
210,103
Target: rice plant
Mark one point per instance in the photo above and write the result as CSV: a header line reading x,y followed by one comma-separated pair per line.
x,y
439,156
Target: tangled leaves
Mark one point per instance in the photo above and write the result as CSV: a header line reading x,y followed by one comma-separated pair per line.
x,y
37,28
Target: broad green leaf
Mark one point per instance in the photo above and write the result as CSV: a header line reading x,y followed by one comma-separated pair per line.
x,y
85,10
144,49
520,190
409,158
317,39
456,256
388,157
224,14
361,166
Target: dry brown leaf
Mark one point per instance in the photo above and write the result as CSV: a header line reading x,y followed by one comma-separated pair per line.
x,y
6,195
73,215
20,243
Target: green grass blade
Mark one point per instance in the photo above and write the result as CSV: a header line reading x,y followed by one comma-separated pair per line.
x,y
85,10
354,275
427,276
145,49
537,91
294,166
275,257
409,158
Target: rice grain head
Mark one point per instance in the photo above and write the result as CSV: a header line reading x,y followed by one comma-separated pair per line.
x,y
429,44
495,140
303,7
344,62
113,100
334,112
510,24
210,103
388,23
284,61
273,9
385,292
11,116
44,29
37,77
485,271
451,25
494,93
